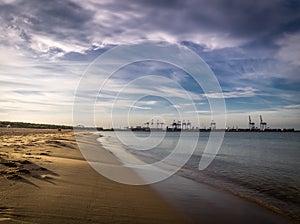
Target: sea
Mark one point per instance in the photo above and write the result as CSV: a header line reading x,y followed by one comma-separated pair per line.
x,y
263,167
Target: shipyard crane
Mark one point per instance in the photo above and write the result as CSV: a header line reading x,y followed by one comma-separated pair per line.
x,y
179,124
157,123
213,125
251,124
263,124
174,125
188,124
161,125
147,124
183,124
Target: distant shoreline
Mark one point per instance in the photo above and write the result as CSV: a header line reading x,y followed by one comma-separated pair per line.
x,y
197,130
10,124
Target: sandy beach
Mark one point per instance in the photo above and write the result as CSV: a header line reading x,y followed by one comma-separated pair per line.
x,y
44,179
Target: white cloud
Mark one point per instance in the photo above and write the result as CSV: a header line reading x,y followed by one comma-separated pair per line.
x,y
290,48
9,1
142,108
151,102
292,107
44,44
238,93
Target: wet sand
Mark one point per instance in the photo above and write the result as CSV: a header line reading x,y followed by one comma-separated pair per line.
x,y
201,203
44,179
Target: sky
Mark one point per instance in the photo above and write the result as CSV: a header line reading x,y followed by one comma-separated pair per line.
x,y
252,47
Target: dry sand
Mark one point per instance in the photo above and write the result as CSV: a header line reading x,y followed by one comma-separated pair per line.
x,y
44,179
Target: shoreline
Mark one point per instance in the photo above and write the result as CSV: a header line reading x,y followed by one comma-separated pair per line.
x,y
271,209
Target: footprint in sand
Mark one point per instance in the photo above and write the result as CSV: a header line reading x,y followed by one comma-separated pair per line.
x,y
6,213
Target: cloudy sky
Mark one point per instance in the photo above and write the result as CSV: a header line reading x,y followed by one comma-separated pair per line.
x,y
252,48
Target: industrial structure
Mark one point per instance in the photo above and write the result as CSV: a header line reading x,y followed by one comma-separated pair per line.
x,y
213,125
183,125
263,124
251,124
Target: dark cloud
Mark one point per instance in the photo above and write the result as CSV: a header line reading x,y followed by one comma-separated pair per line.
x,y
58,17
238,19
258,24
255,23
59,20
243,67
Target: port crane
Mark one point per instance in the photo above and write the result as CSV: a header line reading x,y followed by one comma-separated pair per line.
x,y
188,125
183,124
263,124
161,125
179,124
213,125
157,124
147,124
174,125
251,124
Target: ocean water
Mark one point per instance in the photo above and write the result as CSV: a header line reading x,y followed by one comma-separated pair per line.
x,y
259,166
